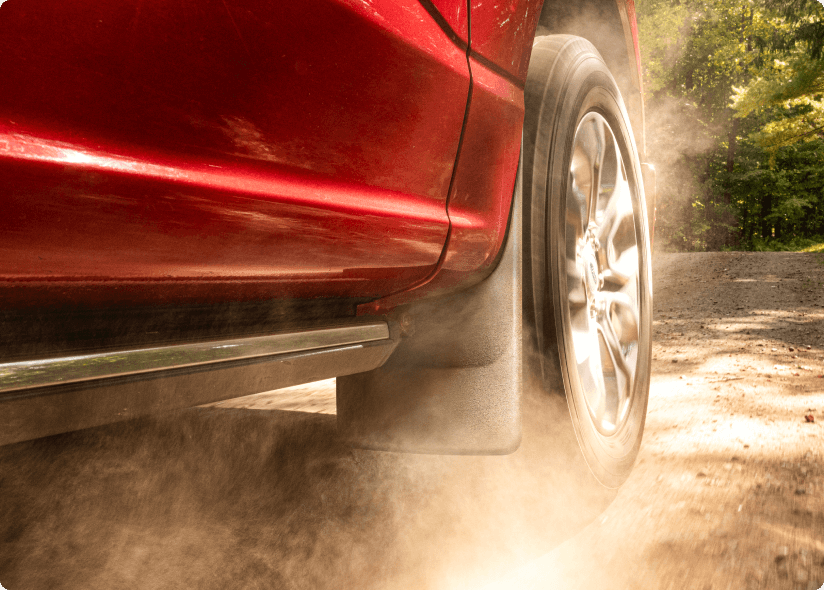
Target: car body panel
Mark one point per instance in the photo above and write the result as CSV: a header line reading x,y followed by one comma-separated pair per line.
x,y
308,146
146,230
481,196
502,33
213,151
456,14
630,24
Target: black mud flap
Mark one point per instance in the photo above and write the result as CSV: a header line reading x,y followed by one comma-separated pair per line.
x,y
454,385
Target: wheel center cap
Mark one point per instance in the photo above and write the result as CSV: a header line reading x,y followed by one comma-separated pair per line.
x,y
592,275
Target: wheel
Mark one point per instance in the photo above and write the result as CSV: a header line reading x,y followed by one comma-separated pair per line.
x,y
587,279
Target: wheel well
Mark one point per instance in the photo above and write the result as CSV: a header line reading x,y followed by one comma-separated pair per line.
x,y
600,22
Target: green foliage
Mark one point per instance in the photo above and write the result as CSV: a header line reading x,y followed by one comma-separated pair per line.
x,y
791,93
814,244
803,28
781,200
735,111
790,75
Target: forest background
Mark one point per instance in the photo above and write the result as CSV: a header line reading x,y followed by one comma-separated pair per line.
x,y
734,93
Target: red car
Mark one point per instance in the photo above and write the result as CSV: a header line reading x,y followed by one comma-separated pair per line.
x,y
436,201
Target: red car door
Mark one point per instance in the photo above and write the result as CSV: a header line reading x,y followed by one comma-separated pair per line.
x,y
198,150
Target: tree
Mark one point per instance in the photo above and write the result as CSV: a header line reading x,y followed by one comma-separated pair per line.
x,y
694,53
789,82
724,117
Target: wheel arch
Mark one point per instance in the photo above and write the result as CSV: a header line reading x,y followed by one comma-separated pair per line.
x,y
610,26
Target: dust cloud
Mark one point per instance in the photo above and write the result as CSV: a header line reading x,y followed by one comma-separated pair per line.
x,y
229,497
727,492
675,137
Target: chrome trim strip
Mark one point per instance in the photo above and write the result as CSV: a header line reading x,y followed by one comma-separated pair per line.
x,y
40,373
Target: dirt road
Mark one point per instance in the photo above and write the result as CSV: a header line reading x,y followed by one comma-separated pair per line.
x,y
728,491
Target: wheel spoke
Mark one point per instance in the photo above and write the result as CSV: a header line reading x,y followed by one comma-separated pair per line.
x,y
576,206
590,367
617,206
624,268
618,326
623,313
587,161
616,235
611,175
576,292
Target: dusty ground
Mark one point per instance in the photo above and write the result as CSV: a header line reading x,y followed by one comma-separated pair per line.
x,y
728,491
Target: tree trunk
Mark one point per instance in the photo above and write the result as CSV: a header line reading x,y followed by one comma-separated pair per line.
x,y
732,140
766,210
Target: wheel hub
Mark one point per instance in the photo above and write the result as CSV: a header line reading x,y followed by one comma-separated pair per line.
x,y
591,271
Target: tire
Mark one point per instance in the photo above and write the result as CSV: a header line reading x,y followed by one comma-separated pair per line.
x,y
587,278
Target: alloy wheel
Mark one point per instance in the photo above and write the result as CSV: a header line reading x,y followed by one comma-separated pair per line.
x,y
602,268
